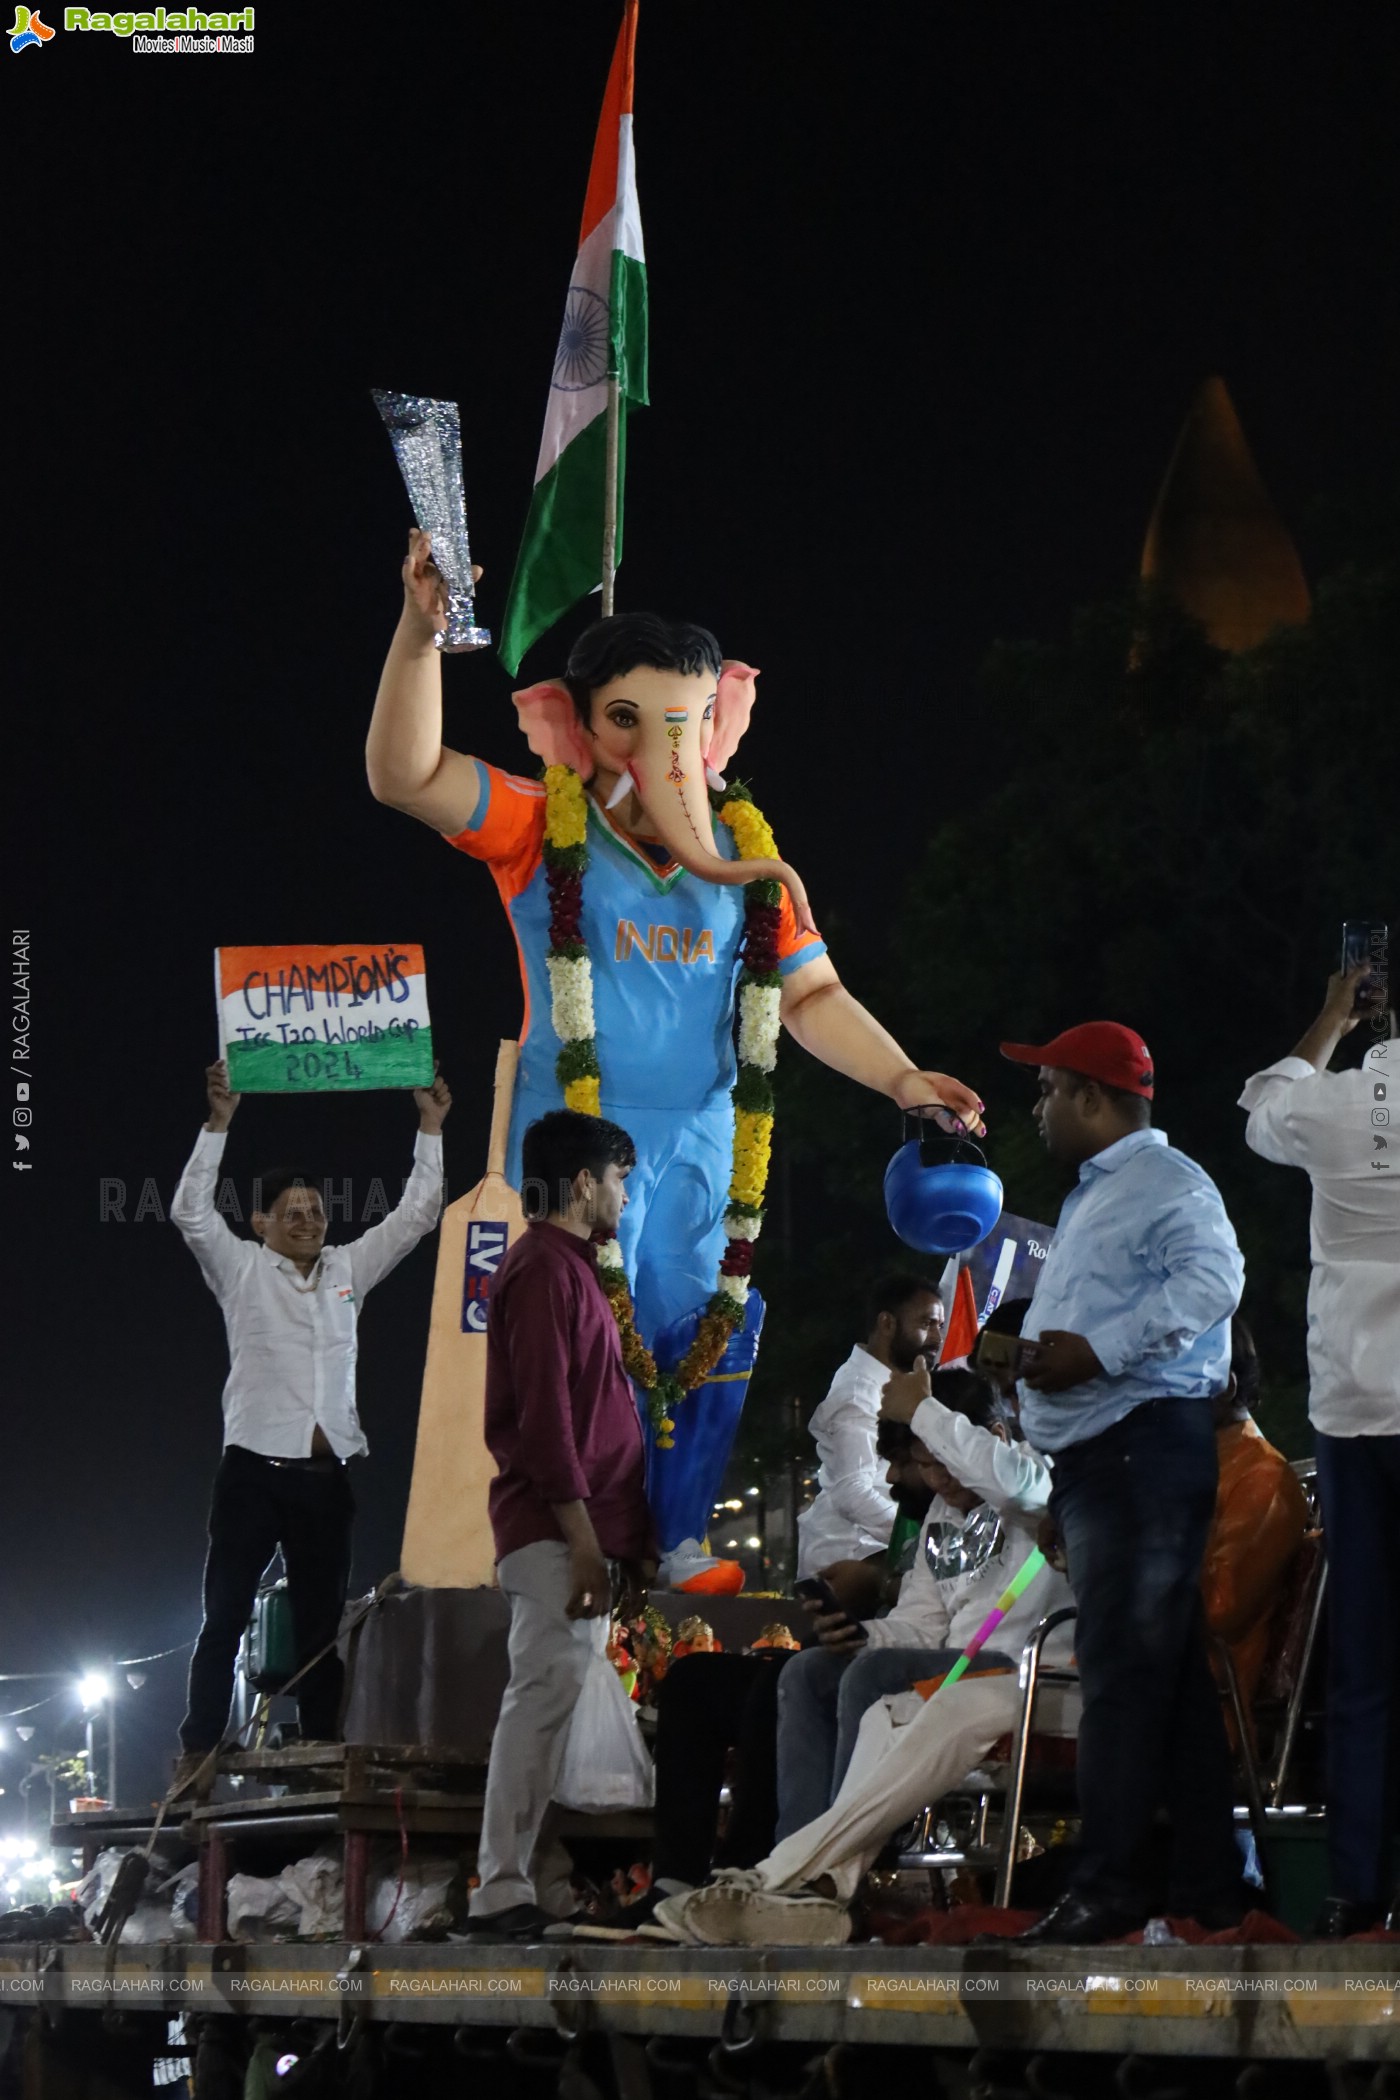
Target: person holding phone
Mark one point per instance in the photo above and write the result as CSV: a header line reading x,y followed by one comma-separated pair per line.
x,y
1129,1330
1343,1130
910,1747
960,1568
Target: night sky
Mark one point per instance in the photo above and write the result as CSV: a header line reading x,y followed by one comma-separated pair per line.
x,y
930,293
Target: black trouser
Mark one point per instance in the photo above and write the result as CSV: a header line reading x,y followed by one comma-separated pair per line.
x,y
1134,1506
305,1507
708,1705
1359,1480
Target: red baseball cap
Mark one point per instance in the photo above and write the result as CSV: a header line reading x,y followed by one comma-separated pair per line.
x,y
1103,1050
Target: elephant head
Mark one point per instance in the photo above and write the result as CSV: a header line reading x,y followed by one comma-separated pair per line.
x,y
663,735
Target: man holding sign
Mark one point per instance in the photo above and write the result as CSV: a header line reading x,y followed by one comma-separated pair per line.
x,y
291,1307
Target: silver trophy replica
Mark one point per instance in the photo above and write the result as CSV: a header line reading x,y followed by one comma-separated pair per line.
x,y
427,440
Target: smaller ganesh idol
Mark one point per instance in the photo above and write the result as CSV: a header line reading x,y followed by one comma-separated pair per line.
x,y
695,1636
619,1654
664,946
651,1646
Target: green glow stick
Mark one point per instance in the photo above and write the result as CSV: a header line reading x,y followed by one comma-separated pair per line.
x,y
1023,1578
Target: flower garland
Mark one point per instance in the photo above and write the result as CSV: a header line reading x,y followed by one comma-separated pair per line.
x,y
760,993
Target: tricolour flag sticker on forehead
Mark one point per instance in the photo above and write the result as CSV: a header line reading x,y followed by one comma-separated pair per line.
x,y
324,1019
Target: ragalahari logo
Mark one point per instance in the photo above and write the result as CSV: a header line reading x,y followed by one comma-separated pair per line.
x,y
28,30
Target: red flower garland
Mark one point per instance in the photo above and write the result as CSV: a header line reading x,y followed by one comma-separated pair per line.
x,y
565,905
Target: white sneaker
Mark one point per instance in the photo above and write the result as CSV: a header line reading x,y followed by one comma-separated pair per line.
x,y
682,1564
667,1922
730,1914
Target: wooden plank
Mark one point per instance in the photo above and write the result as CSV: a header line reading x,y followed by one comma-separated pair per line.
x,y
299,1757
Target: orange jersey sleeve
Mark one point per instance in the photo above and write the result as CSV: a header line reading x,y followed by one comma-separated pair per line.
x,y
506,829
794,948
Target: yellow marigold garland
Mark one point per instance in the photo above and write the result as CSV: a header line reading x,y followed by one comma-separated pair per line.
x,y
566,858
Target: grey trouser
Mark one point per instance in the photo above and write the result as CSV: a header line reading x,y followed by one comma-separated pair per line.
x,y
519,1860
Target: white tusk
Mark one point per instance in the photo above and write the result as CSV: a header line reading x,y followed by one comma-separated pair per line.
x,y
716,780
621,791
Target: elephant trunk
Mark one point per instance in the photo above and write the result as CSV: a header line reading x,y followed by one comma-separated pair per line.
x,y
670,785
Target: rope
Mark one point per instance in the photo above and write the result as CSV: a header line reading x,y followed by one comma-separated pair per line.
x,y
132,1661
15,1711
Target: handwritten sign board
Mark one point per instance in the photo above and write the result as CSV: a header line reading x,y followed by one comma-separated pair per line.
x,y
318,1020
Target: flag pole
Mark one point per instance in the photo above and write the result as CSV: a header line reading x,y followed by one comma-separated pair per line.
x,y
610,495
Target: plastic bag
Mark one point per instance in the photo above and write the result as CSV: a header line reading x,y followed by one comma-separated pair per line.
x,y
606,1763
424,1902
317,1886
305,1901
261,1908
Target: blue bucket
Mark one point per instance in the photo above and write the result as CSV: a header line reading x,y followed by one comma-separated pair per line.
x,y
941,1197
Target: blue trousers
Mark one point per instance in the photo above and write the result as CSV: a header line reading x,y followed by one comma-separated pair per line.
x,y
672,1232
1134,1506
1359,1480
821,1698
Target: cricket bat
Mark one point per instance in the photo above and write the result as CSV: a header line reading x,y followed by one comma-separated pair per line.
x,y
447,1538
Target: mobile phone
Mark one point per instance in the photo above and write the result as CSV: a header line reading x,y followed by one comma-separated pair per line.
x,y
1000,1353
1367,941
819,1592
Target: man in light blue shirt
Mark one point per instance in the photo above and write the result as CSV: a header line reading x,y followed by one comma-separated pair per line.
x,y
1129,1340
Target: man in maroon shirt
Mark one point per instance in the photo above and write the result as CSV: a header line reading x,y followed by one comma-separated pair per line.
x,y
569,1498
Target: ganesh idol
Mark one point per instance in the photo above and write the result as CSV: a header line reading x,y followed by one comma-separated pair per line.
x,y
664,946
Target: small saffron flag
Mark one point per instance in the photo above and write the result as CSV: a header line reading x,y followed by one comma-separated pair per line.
x,y
961,1336
604,337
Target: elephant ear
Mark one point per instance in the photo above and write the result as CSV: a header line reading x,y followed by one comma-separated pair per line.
x,y
733,705
552,727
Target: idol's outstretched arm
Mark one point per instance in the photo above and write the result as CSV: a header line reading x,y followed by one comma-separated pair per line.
x,y
408,766
821,1014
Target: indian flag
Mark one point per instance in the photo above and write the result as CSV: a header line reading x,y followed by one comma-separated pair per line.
x,y
603,339
321,1019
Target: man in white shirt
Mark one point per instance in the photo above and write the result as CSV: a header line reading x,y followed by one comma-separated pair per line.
x,y
1343,1130
825,1690
291,1308
853,1515
909,1751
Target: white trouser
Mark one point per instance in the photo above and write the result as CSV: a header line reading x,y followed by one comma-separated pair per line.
x,y
899,1765
519,1860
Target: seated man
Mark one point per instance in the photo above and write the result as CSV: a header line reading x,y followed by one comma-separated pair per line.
x,y
711,1705
1260,1518
855,1662
908,1751
852,1516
